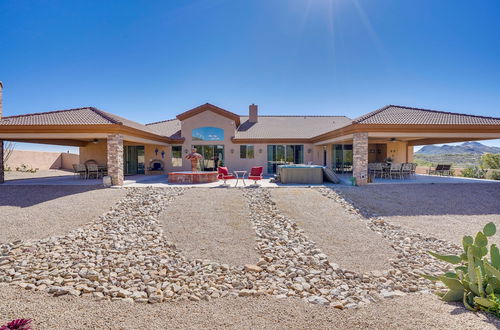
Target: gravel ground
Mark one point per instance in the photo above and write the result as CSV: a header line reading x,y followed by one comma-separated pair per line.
x,y
410,312
14,175
211,224
343,237
445,211
31,212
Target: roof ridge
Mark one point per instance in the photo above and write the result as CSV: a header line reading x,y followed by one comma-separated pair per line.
x,y
161,121
370,114
106,116
439,111
48,112
330,116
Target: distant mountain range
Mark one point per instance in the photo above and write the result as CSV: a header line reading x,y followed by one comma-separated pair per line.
x,y
464,148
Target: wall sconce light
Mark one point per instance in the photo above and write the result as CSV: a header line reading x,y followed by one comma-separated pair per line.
x,y
260,150
232,151
309,150
185,151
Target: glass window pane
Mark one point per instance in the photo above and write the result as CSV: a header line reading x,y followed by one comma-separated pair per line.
x,y
207,134
243,151
176,156
250,152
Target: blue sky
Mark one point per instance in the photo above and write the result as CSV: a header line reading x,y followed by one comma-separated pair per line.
x,y
150,60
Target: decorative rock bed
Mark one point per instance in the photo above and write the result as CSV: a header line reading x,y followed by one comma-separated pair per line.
x,y
123,256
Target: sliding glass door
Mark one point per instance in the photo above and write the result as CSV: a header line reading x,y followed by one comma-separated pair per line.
x,y
133,157
278,154
213,156
342,158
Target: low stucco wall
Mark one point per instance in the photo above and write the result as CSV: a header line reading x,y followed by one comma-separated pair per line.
x,y
42,160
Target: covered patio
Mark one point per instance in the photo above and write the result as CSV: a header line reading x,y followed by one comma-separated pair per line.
x,y
392,132
101,137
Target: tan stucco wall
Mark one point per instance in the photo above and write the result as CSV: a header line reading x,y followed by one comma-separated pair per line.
x,y
397,151
94,151
42,160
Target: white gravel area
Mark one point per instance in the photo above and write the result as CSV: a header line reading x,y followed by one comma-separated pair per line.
x,y
342,236
410,312
445,211
32,212
211,224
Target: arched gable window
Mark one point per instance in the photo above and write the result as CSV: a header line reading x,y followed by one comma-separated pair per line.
x,y
208,134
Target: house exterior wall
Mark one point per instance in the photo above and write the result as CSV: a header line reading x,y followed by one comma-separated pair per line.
x,y
397,151
94,151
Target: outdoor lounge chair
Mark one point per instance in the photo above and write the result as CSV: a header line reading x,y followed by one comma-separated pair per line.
x,y
256,173
93,171
395,170
441,169
406,169
223,174
80,170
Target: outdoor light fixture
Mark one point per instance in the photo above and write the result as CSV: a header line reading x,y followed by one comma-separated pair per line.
x,y
260,150
95,141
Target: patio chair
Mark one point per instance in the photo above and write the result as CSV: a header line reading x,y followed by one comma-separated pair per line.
x,y
256,174
80,170
93,171
406,169
223,174
413,169
446,170
436,170
376,169
395,170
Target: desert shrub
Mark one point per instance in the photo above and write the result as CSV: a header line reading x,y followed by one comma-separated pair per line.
x,y
492,175
476,280
26,168
473,172
490,161
19,324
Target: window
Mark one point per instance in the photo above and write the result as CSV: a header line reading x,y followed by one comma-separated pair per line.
x,y
207,134
176,156
246,152
282,155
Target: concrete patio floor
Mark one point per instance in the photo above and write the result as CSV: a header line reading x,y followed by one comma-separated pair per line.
x,y
59,177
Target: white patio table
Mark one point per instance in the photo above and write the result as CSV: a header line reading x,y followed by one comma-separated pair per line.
x,y
240,175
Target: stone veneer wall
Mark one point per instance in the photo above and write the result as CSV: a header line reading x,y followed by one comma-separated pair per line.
x,y
115,159
360,158
2,178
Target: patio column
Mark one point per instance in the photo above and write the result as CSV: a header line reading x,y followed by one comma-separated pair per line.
x,y
360,158
2,178
115,159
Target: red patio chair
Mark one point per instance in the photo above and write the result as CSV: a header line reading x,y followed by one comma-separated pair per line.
x,y
223,174
256,173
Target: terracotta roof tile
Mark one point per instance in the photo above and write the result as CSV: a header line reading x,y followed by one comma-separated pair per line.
x,y
170,128
78,116
400,115
282,127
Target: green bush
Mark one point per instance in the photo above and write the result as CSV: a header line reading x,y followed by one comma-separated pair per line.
x,y
492,175
476,280
473,172
490,161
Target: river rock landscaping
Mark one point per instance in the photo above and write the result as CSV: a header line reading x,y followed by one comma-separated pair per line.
x,y
124,256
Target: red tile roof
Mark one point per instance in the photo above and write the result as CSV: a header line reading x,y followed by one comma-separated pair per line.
x,y
78,116
401,115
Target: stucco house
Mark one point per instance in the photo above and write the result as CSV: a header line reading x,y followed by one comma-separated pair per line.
x,y
242,141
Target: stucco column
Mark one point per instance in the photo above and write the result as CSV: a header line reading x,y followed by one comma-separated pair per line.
x,y
115,159
360,158
2,178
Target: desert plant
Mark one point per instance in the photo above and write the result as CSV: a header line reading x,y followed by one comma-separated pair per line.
x,y
8,149
19,324
473,172
476,280
490,161
492,175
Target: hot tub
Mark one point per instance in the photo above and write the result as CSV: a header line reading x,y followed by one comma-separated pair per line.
x,y
303,174
189,177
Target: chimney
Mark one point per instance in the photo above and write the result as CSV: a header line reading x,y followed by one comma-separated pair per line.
x,y
1,87
253,113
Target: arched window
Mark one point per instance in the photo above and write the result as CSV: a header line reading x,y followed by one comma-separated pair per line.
x,y
208,134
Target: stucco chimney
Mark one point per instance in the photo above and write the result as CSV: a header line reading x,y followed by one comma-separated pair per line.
x,y
1,87
253,113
